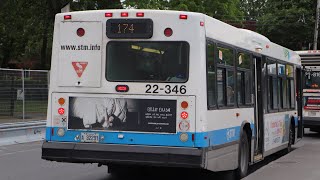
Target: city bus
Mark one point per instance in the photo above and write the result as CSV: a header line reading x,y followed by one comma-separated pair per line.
x,y
310,60
159,88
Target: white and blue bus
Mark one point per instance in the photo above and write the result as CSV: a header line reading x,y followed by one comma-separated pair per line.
x,y
138,88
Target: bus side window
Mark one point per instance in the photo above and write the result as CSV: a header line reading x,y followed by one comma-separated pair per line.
x,y
272,85
225,77
290,84
283,86
244,79
211,76
220,87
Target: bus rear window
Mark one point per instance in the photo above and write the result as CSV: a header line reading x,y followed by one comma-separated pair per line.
x,y
312,79
147,61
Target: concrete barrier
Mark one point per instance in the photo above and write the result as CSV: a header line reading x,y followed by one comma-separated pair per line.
x,y
13,133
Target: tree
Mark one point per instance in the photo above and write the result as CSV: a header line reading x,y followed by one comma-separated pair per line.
x,y
253,9
95,4
226,10
146,4
26,27
289,23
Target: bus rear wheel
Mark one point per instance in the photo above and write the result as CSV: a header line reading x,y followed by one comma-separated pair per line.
x,y
291,138
243,159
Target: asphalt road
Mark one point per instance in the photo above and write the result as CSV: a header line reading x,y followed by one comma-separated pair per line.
x,y
23,162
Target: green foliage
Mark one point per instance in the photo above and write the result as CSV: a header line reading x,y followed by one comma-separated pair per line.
x,y
20,27
253,9
289,23
147,4
26,26
82,5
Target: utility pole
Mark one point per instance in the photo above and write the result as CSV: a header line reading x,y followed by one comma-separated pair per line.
x,y
316,27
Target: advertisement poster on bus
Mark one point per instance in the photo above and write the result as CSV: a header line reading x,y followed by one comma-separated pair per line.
x,y
121,114
276,130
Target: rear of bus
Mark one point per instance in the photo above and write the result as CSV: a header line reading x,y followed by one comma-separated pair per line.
x,y
310,61
311,93
125,88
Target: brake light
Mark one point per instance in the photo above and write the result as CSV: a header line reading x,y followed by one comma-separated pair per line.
x,y
184,115
124,14
183,16
108,14
80,32
122,88
168,32
66,17
61,111
140,14
201,23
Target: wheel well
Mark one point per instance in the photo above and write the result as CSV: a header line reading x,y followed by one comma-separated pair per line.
x,y
248,130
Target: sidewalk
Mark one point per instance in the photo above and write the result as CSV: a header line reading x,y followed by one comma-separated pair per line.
x,y
303,163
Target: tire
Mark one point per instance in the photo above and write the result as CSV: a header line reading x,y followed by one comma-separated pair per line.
x,y
291,138
243,158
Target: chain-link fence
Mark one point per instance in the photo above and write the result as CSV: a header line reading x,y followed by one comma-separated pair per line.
x,y
23,95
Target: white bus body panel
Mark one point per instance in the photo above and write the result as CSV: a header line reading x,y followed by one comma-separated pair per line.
x,y
81,64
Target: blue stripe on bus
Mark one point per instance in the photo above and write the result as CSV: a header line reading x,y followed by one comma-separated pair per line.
x,y
202,139
48,134
296,121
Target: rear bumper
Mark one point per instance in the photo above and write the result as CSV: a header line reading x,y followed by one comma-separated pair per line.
x,y
310,122
123,154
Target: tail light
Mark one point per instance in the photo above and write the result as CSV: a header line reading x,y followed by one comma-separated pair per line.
x,y
184,115
183,16
108,14
67,17
80,32
61,111
140,14
124,14
122,88
168,32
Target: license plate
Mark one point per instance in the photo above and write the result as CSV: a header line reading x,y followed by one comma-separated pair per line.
x,y
312,113
90,137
